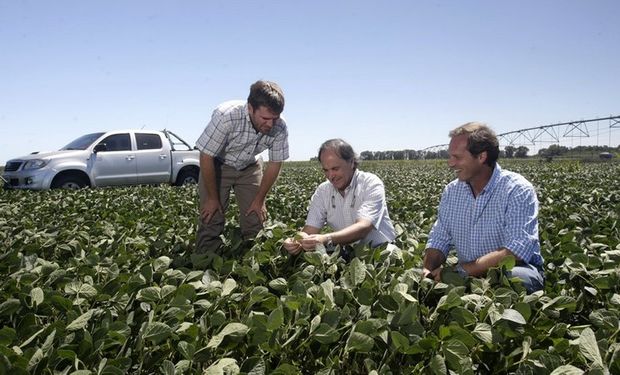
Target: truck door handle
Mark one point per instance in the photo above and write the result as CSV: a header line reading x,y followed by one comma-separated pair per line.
x,y
163,156
130,157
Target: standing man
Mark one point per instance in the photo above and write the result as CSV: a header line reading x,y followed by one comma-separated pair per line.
x,y
487,213
237,132
351,202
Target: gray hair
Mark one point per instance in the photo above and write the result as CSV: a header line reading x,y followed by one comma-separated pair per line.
x,y
342,149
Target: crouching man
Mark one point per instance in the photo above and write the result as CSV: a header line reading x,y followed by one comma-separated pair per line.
x,y
351,202
487,213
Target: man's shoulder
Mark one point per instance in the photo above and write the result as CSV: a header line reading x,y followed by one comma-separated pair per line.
x,y
369,177
232,107
510,178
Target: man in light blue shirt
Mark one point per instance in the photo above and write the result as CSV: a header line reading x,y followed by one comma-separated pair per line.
x,y
486,214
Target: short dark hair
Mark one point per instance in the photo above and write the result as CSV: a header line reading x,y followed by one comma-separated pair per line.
x,y
480,138
267,94
342,149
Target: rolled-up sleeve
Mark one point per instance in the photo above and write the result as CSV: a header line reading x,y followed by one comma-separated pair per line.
x,y
213,139
439,238
373,206
522,223
317,212
279,149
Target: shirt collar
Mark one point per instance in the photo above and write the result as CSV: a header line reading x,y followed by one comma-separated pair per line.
x,y
493,181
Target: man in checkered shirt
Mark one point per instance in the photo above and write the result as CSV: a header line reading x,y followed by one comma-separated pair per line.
x,y
486,214
237,132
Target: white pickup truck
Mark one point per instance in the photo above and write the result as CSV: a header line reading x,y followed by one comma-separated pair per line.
x,y
114,158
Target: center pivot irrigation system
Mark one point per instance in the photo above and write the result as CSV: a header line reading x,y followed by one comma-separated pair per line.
x,y
556,133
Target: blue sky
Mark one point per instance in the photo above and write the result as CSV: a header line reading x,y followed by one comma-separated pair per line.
x,y
383,75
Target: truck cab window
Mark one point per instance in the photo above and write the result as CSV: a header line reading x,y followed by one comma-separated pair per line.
x,y
148,141
118,142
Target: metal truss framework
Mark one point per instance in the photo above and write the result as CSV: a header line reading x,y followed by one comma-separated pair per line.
x,y
540,134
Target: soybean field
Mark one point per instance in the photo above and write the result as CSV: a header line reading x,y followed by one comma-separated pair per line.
x,y
105,281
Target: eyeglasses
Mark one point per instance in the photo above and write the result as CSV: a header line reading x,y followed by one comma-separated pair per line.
x,y
352,200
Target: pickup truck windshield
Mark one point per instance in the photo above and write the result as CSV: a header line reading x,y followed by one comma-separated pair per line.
x,y
83,142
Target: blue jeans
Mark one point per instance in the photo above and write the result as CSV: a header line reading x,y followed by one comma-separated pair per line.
x,y
532,276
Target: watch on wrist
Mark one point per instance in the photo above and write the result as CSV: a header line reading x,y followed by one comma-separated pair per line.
x,y
329,241
461,271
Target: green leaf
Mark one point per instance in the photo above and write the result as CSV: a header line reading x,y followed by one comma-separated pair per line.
x,y
7,336
9,306
276,319
356,272
454,351
513,316
157,332
359,342
161,264
37,356
483,333
438,365
452,299
224,366
325,334
399,341
589,347
328,292
167,368
37,296
280,284
149,294
81,321
567,370
80,289
228,287
231,329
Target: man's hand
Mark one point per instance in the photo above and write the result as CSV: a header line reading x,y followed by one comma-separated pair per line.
x,y
293,245
434,274
259,208
310,242
209,209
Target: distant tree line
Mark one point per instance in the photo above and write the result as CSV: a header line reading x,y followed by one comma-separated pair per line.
x,y
508,152
557,150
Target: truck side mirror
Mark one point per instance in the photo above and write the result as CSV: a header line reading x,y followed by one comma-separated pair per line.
x,y
100,147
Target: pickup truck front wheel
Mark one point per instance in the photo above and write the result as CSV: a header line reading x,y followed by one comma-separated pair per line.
x,y
187,177
72,182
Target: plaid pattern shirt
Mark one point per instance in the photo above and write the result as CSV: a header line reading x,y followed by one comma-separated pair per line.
x,y
364,198
504,215
231,138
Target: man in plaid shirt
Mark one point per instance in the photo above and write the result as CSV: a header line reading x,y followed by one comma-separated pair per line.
x,y
237,132
486,214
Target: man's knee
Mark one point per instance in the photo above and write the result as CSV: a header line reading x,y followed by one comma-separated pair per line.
x,y
530,276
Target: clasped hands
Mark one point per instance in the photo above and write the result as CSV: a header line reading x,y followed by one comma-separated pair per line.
x,y
303,241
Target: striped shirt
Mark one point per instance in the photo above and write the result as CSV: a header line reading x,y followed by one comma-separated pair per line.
x,y
504,215
364,198
231,138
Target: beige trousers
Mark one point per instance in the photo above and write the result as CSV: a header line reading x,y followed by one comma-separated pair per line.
x,y
245,184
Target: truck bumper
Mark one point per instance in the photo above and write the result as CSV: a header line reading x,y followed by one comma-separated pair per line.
x,y
34,180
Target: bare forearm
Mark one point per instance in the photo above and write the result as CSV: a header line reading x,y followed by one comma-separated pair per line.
x,y
433,259
352,233
207,170
480,266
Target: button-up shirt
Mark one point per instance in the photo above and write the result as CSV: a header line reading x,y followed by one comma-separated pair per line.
x,y
504,215
231,138
364,198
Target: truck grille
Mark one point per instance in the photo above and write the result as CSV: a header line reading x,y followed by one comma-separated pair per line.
x,y
12,166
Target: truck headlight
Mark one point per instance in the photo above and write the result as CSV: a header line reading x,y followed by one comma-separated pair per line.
x,y
35,164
